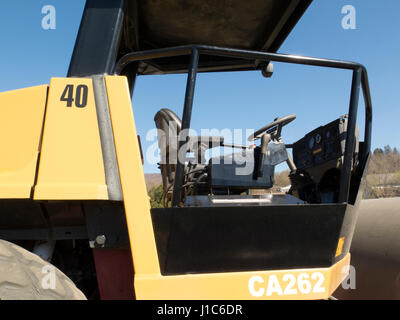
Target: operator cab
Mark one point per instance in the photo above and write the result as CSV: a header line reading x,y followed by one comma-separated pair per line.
x,y
251,167
212,221
230,179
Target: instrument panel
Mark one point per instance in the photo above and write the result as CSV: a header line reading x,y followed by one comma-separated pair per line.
x,y
320,145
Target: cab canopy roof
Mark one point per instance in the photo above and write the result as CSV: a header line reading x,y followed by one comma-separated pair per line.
x,y
138,25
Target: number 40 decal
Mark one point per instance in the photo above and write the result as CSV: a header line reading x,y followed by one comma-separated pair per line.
x,y
81,95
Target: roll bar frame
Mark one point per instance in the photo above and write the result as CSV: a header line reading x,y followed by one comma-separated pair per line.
x,y
360,79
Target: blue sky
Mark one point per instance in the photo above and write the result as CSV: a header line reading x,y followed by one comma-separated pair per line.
x,y
31,56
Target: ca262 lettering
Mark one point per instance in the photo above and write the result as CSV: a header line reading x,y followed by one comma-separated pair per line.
x,y
78,95
290,284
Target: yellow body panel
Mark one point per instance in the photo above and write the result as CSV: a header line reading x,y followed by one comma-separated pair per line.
x,y
71,162
21,121
71,168
136,201
318,283
288,284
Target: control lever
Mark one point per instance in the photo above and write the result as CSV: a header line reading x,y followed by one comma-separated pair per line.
x,y
265,139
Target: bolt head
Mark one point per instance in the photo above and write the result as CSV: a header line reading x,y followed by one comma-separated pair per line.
x,y
101,239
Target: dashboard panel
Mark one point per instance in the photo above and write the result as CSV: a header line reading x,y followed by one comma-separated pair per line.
x,y
320,145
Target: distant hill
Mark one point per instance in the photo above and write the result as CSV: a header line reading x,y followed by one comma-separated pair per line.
x,y
152,180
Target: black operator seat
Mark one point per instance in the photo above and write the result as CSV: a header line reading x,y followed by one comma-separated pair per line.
x,y
169,126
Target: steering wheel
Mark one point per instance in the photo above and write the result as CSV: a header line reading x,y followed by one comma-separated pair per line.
x,y
276,125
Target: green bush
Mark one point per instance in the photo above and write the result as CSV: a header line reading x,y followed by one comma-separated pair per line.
x,y
156,196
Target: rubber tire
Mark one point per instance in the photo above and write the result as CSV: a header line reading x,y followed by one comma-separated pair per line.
x,y
21,277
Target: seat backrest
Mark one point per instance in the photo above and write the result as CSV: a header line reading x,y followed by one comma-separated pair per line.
x,y
169,126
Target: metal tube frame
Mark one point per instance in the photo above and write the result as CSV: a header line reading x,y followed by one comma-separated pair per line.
x,y
98,40
186,117
360,79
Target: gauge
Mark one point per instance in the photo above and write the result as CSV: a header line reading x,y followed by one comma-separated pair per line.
x,y
318,138
311,143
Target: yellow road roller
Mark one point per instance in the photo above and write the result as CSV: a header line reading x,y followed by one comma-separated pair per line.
x,y
75,216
